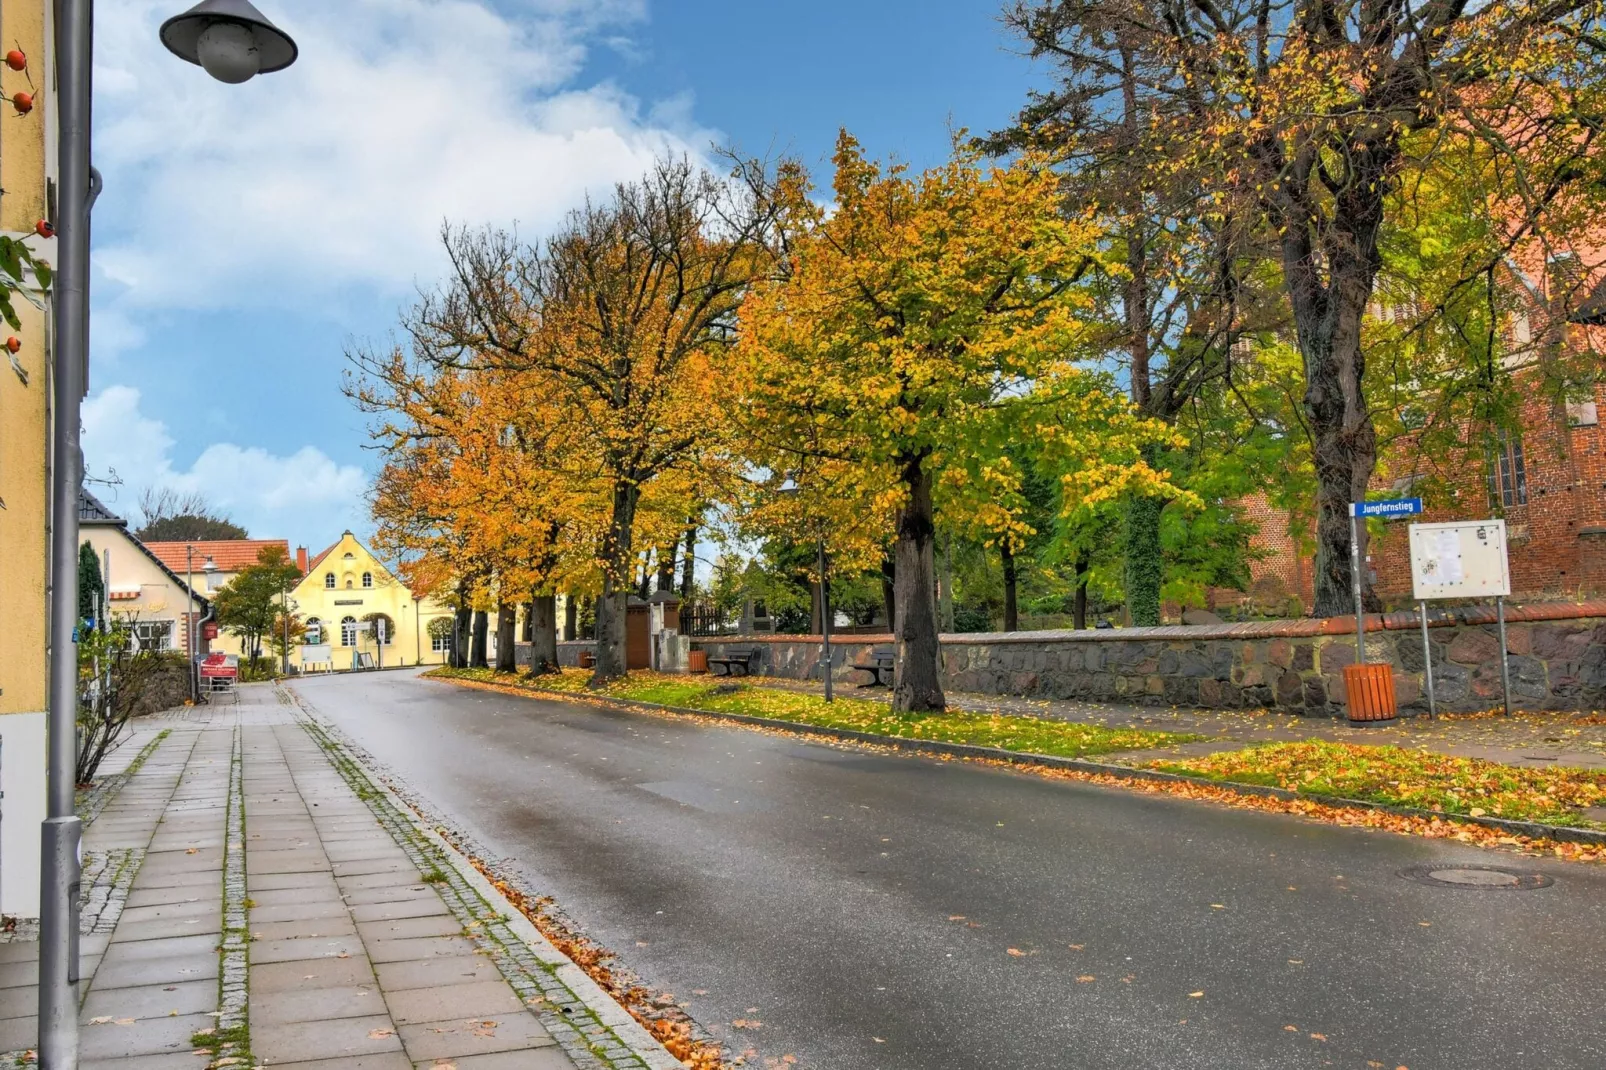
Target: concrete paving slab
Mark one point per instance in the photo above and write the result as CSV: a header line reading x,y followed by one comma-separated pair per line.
x,y
323,908
386,1061
152,1001
145,1036
304,974
338,1038
317,1004
433,973
423,947
549,1058
303,929
267,952
474,1036
163,971
479,999
410,928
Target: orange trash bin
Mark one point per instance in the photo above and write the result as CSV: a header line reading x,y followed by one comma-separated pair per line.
x,y
1371,692
697,661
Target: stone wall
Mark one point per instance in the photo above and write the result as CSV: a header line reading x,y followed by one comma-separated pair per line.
x,y
1557,661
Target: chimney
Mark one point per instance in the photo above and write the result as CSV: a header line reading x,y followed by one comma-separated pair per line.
x,y
301,559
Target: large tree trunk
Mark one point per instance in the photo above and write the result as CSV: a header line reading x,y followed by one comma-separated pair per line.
x,y
571,617
544,635
1327,322
917,678
618,563
688,565
482,628
1145,564
506,635
666,567
529,622
1011,588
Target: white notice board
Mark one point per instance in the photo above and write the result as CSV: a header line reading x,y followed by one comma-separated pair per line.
x,y
1460,559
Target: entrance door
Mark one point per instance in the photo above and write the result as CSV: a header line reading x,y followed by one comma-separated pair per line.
x,y
638,644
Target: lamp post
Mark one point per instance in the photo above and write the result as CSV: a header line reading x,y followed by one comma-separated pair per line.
x,y
232,40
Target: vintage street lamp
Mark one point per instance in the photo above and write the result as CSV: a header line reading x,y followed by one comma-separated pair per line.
x,y
232,40
229,38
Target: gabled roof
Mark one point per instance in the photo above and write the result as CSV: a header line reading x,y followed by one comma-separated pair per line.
x,y
91,510
229,555
313,565
122,529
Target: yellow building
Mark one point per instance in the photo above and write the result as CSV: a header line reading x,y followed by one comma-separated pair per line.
x,y
141,588
25,167
364,615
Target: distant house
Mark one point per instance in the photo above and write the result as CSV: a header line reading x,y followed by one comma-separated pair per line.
x,y
352,603
140,586
214,563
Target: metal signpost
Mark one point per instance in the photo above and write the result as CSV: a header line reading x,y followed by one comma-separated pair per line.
x,y
1461,559
1359,511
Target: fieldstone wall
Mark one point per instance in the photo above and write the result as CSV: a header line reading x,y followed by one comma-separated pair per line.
x,y
1557,658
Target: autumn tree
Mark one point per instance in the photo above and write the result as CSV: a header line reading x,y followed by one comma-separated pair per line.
x,y
250,604
916,318
627,310
1298,119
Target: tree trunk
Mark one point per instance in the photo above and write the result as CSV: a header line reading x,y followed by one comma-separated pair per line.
x,y
544,635
917,677
618,562
945,584
666,567
529,621
1327,322
571,618
482,628
889,598
1011,593
1145,564
1079,603
688,565
506,634
460,635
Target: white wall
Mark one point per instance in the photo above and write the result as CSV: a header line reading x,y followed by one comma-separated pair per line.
x,y
22,810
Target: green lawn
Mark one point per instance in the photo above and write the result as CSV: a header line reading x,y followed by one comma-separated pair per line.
x,y
1401,777
1030,735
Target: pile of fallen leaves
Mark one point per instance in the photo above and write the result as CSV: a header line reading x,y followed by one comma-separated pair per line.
x,y
1415,778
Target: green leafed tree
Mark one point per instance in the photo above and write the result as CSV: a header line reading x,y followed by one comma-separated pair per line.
x,y
250,606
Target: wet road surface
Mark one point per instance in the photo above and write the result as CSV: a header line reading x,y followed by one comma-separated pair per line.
x,y
893,913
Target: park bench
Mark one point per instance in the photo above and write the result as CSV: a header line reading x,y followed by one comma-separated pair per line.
x,y
732,658
881,662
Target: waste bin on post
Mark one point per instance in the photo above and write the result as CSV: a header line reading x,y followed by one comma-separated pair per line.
x,y
1370,688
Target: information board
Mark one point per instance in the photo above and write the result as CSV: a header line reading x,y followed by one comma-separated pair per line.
x,y
1459,559
317,654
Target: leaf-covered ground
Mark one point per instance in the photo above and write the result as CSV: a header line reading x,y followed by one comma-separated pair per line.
x,y
1007,731
1417,778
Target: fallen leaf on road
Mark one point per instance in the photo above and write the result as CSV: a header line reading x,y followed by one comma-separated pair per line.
x,y
1296,962
878,1040
1218,906
1085,978
380,1034
1018,953
1195,995
1290,1029
1076,947
1318,1036
747,1023
956,917
101,1020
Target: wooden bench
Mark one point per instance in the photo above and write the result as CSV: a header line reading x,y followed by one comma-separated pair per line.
x,y
732,658
881,662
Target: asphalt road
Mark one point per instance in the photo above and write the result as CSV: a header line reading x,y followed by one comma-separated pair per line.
x,y
905,914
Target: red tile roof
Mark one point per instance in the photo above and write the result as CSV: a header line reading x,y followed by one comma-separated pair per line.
x,y
229,555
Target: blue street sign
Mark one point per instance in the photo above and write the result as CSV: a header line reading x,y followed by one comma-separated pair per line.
x,y
1387,510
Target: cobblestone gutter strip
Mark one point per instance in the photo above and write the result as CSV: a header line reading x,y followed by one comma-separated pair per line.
x,y
592,1028
97,798
230,1041
1531,829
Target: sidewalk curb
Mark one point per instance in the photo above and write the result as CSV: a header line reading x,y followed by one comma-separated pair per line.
x,y
1533,829
607,1009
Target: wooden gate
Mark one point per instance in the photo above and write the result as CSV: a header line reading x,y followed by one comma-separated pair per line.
x,y
638,643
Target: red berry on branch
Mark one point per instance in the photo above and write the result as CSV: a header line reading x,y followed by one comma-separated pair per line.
x,y
44,229
17,59
13,343
23,102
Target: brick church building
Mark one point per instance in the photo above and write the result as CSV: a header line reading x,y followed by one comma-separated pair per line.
x,y
1547,479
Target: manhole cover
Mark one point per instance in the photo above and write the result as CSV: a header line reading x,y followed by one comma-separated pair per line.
x,y
1481,878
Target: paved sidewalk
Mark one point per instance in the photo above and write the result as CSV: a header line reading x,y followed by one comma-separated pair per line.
x,y
1537,739
266,902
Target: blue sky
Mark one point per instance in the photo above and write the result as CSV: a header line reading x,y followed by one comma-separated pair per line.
x,y
249,235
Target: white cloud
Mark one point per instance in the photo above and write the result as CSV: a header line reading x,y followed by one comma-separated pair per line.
x,y
305,497
399,114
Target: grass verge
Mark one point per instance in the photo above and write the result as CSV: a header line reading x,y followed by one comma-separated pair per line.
x,y
1397,776
1027,735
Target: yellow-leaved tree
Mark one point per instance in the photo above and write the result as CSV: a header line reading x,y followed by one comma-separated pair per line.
x,y
925,318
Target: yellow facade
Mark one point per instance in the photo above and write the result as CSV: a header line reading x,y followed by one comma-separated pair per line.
x,y
26,145
344,587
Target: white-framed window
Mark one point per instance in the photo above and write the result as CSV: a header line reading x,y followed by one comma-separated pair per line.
x,y
367,579
348,631
314,631
329,581
440,644
154,634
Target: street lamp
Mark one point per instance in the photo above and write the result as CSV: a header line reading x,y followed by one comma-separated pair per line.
x,y
211,34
